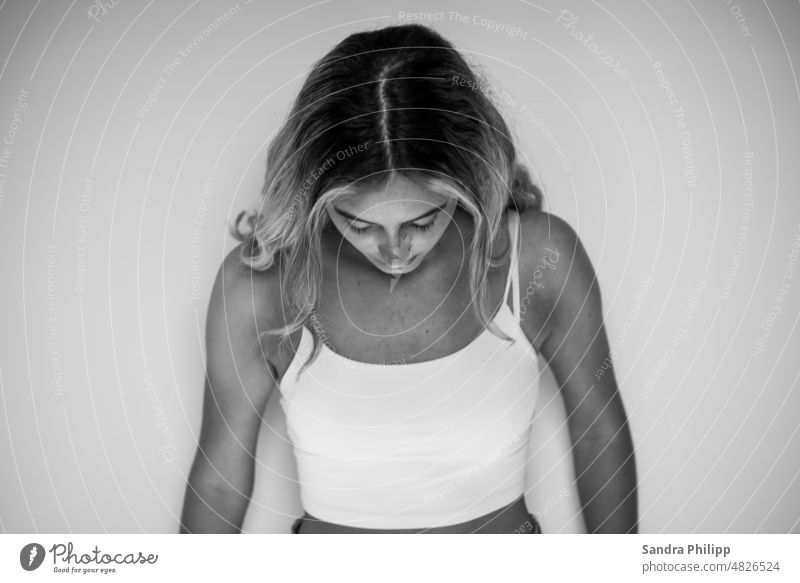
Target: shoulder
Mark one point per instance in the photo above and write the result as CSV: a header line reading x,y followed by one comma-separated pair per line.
x,y
556,274
245,302
236,280
540,230
549,240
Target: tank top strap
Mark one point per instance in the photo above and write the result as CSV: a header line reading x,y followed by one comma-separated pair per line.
x,y
512,281
303,351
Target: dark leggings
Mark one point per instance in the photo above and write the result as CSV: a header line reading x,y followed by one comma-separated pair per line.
x,y
530,526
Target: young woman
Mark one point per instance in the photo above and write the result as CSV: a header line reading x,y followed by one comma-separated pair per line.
x,y
396,285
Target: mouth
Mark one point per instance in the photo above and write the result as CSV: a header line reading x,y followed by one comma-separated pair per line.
x,y
392,267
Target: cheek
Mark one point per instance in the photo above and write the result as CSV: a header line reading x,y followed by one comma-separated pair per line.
x,y
367,245
424,243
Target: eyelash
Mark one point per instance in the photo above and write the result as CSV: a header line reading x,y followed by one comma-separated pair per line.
x,y
421,228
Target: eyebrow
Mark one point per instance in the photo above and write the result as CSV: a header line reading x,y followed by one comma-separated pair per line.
x,y
422,216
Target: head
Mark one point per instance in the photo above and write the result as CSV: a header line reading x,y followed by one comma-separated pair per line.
x,y
385,141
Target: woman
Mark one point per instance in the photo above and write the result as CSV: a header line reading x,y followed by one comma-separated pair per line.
x,y
379,288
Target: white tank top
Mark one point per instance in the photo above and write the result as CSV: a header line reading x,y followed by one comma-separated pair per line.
x,y
417,445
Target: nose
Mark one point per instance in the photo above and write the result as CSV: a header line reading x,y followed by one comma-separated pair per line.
x,y
396,248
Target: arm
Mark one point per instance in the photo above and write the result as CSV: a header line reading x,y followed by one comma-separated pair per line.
x,y
239,380
577,350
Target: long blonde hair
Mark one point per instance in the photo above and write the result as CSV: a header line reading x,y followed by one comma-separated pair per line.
x,y
400,99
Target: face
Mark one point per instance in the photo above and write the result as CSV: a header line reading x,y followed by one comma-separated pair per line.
x,y
394,227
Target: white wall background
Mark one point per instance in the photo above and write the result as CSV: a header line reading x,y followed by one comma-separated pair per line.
x,y
112,224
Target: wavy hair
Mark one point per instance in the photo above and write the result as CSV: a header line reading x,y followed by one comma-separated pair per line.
x,y
397,100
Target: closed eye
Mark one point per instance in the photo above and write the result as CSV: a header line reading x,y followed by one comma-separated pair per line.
x,y
364,230
422,228
361,230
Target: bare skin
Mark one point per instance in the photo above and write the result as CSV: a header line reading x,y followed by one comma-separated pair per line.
x,y
425,315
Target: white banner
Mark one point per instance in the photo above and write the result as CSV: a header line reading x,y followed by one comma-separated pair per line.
x,y
280,557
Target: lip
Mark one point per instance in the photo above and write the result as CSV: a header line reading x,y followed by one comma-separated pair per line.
x,y
401,267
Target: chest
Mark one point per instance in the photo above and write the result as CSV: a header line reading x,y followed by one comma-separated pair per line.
x,y
365,316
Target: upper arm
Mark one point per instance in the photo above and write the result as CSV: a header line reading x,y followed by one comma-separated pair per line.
x,y
570,312
239,376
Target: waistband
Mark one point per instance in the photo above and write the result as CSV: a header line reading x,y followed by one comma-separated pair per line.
x,y
530,526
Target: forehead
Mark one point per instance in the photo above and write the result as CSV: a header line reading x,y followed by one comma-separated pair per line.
x,y
400,195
